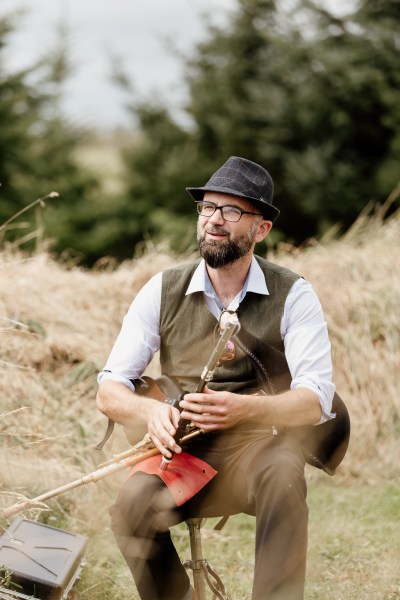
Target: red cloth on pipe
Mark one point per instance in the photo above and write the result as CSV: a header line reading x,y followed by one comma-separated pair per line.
x,y
185,476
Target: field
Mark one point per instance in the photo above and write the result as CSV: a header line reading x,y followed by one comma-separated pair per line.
x,y
58,323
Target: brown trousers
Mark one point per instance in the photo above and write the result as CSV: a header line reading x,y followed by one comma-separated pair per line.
x,y
260,475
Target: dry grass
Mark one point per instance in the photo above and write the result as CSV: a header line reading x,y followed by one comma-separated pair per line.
x,y
58,323
358,282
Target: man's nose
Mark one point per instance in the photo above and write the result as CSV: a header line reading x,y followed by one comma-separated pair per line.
x,y
217,217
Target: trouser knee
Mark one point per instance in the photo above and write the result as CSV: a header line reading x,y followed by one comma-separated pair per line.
x,y
144,506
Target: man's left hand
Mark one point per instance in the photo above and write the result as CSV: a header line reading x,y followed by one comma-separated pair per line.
x,y
211,410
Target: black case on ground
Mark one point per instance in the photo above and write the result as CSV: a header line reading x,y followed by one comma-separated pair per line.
x,y
44,562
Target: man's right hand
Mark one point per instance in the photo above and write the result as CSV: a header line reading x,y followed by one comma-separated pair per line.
x,y
162,422
126,407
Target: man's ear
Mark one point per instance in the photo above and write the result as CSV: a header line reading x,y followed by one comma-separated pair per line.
x,y
263,229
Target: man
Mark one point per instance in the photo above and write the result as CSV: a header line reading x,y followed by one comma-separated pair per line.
x,y
258,465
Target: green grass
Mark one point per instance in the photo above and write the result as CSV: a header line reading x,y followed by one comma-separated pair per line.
x,y
354,548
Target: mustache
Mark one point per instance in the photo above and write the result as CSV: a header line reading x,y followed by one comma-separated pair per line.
x,y
217,230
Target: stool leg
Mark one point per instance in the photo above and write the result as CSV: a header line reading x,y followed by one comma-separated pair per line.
x,y
203,573
197,558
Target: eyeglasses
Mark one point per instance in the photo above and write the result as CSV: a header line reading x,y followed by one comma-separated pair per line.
x,y
233,214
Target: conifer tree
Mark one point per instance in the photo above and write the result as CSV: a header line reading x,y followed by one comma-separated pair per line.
x,y
38,151
311,95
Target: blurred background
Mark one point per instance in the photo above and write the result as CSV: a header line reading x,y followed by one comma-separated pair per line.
x,y
119,106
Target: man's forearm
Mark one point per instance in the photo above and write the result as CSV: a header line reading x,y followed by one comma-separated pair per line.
x,y
293,408
121,404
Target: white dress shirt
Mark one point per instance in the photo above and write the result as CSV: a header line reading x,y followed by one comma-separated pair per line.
x,y
303,329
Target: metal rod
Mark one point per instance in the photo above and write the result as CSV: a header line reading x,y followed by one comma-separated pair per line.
x,y
197,558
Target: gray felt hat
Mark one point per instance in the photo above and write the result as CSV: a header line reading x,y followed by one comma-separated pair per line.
x,y
244,179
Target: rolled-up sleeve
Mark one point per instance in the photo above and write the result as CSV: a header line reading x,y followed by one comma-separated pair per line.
x,y
307,345
138,339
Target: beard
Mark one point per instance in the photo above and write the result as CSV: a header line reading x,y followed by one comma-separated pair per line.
x,y
218,253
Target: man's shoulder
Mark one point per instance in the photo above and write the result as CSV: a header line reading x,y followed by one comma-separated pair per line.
x,y
178,277
175,282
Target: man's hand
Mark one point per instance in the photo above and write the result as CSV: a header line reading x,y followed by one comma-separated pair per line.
x,y
162,423
211,410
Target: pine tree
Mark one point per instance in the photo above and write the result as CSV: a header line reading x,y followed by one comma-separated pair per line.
x,y
312,96
38,151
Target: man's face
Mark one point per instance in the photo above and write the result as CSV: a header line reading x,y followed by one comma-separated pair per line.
x,y
221,242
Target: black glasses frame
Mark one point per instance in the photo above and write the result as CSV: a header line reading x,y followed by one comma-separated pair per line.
x,y
202,203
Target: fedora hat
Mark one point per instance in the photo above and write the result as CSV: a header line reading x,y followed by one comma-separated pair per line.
x,y
242,178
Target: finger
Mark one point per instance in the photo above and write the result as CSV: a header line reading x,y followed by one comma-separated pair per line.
x,y
176,416
163,433
206,426
196,410
158,444
208,390
198,403
200,420
170,431
166,447
195,397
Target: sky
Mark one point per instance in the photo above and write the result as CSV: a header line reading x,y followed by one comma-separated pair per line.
x,y
134,30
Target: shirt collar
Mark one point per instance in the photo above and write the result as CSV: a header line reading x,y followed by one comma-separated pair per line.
x,y
255,281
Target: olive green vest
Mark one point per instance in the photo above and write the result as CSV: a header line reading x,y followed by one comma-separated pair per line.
x,y
189,331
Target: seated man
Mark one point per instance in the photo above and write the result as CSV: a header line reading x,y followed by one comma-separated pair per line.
x,y
256,465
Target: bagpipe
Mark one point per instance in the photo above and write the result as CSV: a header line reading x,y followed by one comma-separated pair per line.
x,y
145,448
324,446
